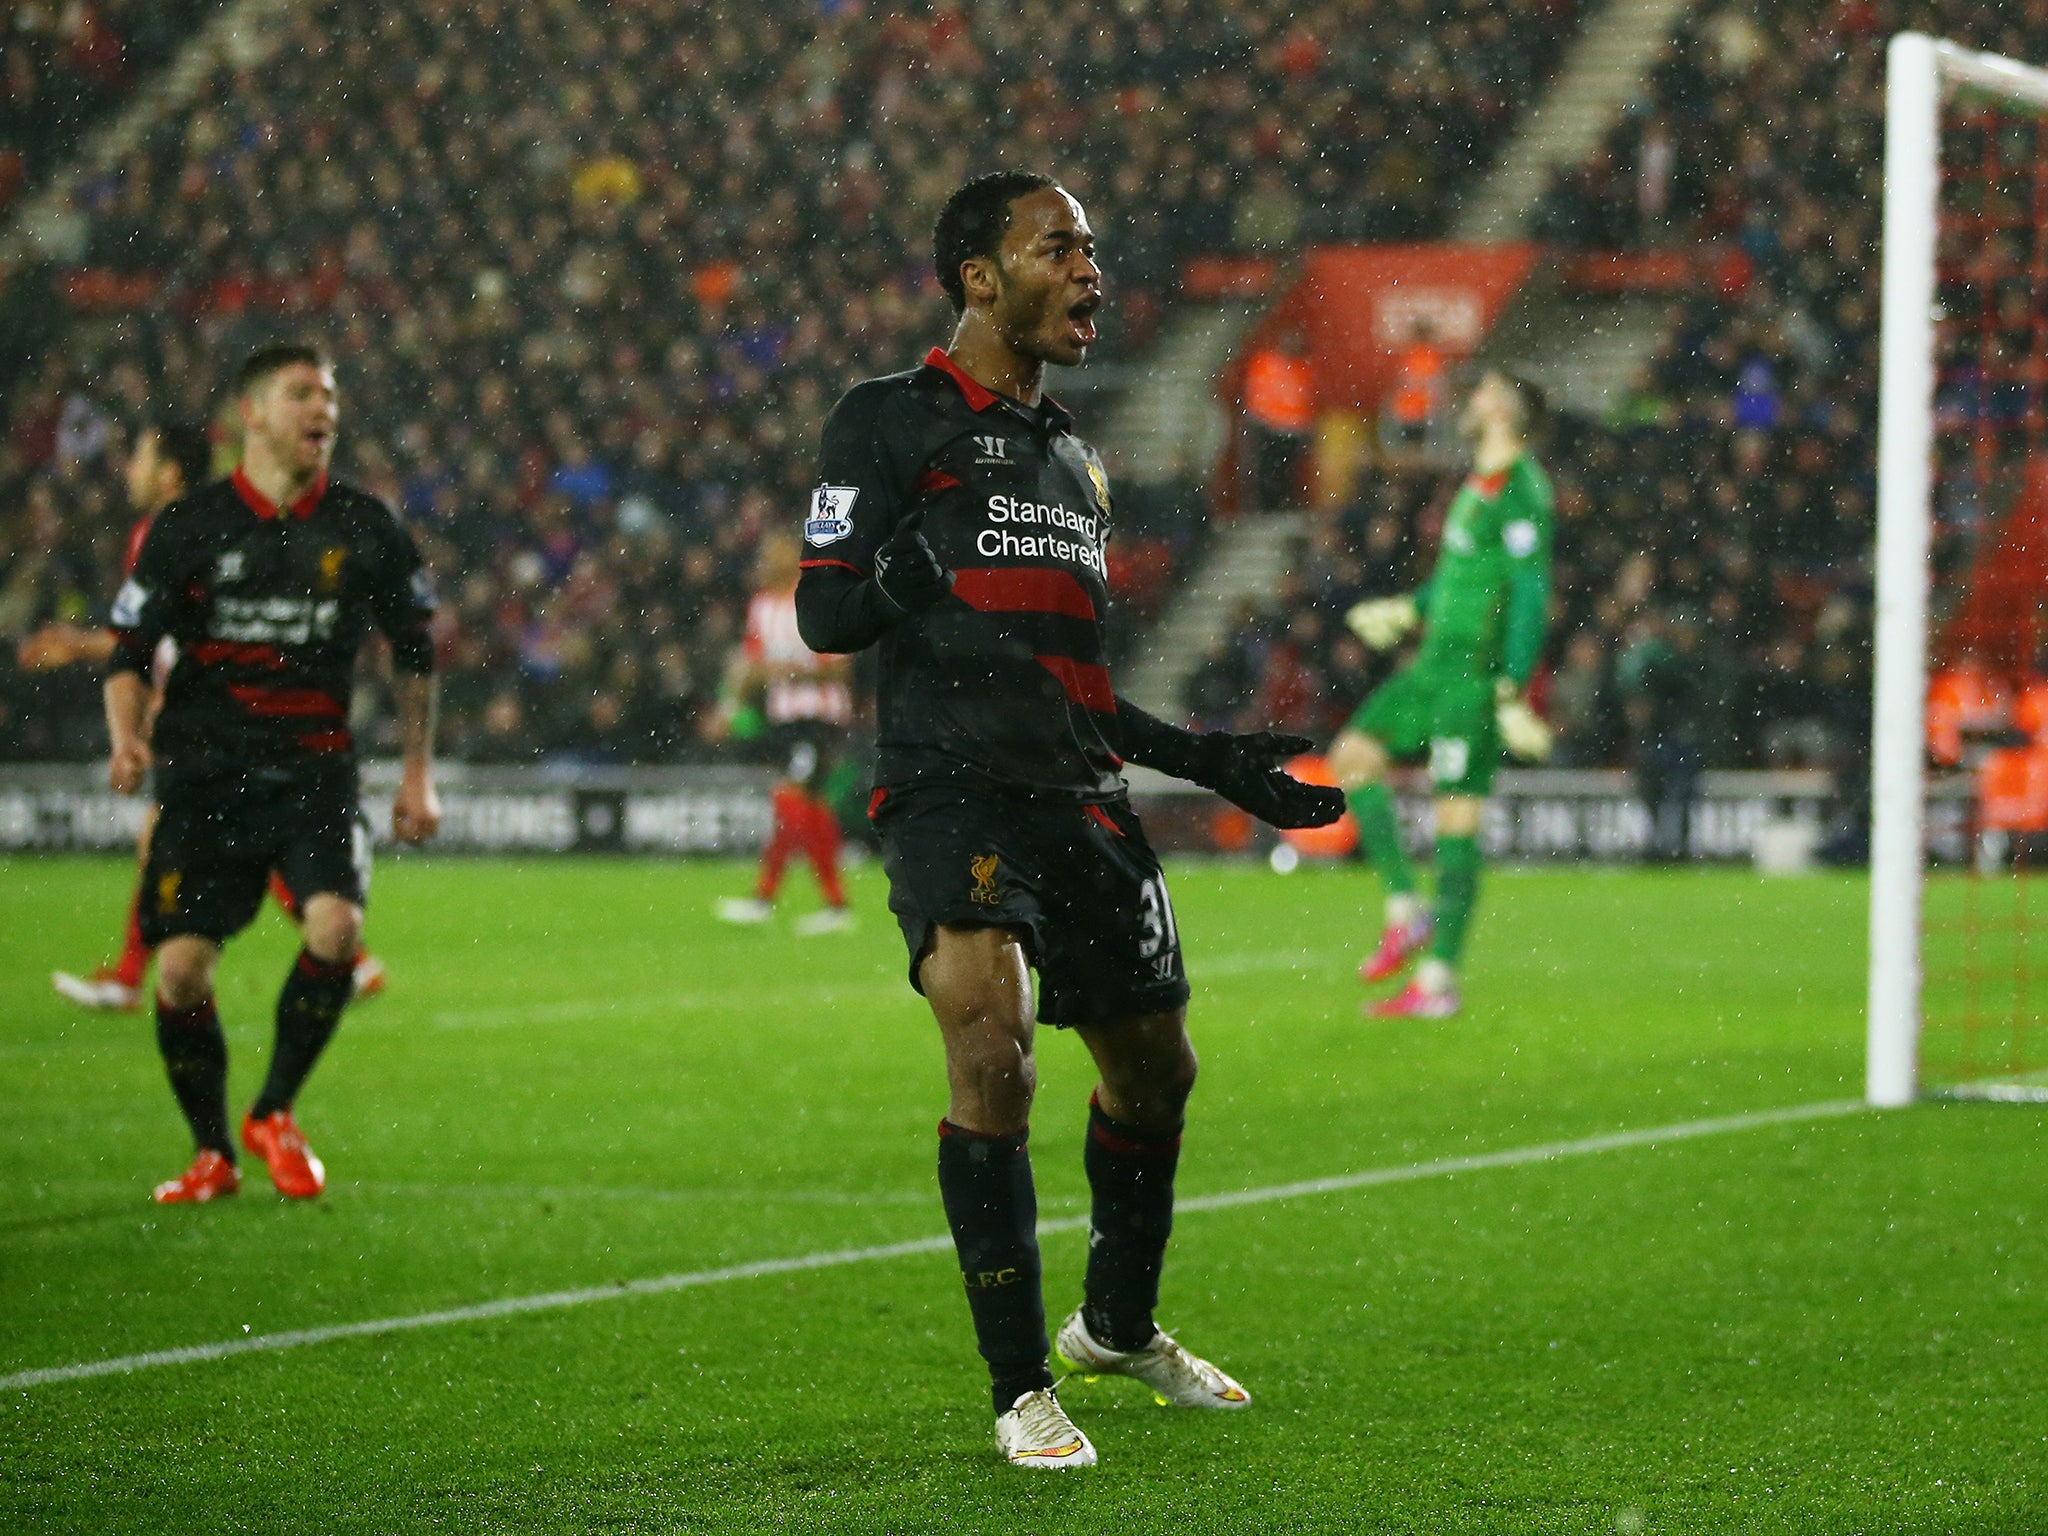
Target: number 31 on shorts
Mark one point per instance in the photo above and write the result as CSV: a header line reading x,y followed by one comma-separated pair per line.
x,y
1158,938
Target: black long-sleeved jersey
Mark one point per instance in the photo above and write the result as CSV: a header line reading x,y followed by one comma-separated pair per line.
x,y
1002,682
268,606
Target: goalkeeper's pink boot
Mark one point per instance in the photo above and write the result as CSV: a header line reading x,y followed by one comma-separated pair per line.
x,y
1399,943
1416,1001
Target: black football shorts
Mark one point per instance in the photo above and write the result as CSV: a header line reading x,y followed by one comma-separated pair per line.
x,y
1079,880
220,831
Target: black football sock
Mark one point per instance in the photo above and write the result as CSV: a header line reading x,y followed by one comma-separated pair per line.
x,y
195,1054
1130,1171
992,1208
307,1010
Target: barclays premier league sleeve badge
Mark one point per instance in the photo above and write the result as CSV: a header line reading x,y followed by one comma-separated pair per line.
x,y
831,516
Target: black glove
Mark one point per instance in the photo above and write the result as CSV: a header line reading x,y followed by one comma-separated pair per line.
x,y
907,571
1251,773
1248,771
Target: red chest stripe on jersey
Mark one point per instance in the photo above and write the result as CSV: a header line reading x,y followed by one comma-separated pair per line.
x,y
1022,589
211,653
261,699
808,565
875,801
1086,683
934,479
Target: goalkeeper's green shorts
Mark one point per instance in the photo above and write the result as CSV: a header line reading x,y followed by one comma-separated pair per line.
x,y
1444,712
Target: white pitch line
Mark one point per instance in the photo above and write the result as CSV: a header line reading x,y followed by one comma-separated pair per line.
x,y
551,1301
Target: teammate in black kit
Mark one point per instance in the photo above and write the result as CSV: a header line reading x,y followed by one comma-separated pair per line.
x,y
960,526
269,582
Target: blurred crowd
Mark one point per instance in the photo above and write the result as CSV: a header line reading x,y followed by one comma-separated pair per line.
x,y
593,276
65,63
1713,578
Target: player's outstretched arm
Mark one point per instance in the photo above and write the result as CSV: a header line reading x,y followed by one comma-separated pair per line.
x,y
1249,771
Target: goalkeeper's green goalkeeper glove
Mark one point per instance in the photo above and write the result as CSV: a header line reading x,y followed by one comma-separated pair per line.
x,y
1522,731
1381,622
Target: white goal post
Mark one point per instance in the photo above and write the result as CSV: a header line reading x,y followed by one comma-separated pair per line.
x,y
1918,71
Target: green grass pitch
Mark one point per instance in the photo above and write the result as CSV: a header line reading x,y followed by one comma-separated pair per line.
x,y
576,1079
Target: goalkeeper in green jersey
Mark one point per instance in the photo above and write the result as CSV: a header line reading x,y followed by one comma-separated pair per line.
x,y
1459,700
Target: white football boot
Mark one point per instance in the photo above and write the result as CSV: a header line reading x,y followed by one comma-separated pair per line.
x,y
1177,1378
1036,1432
96,991
826,920
744,909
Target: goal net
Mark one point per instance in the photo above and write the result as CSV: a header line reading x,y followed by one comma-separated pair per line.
x,y
1958,1000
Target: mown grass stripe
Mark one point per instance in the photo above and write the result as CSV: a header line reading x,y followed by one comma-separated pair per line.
x,y
551,1301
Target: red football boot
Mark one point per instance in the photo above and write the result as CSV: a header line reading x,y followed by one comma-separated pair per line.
x,y
1399,943
209,1177
277,1139
1415,1001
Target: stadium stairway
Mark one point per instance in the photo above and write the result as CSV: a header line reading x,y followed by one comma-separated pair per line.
x,y
1584,349
1606,66
47,228
1170,426
1246,561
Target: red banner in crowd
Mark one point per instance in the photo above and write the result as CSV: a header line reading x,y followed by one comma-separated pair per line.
x,y
1357,309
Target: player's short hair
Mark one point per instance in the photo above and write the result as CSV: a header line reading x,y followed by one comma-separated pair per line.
x,y
1531,401
265,361
186,444
973,223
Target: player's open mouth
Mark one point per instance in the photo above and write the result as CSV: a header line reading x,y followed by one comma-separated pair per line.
x,y
1081,320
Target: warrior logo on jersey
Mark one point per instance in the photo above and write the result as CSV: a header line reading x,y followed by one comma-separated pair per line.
x,y
993,450
983,867
831,516
331,560
230,567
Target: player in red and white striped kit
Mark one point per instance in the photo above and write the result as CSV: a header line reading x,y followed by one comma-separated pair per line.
x,y
808,704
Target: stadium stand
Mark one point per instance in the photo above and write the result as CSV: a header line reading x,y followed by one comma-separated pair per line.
x,y
588,331
64,66
1722,515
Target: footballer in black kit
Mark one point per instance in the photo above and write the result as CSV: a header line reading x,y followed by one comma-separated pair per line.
x,y
960,527
269,582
